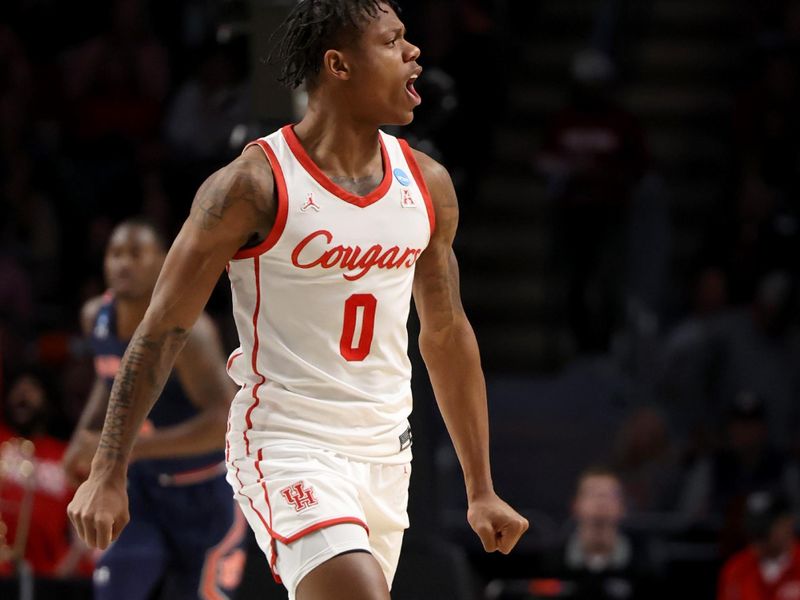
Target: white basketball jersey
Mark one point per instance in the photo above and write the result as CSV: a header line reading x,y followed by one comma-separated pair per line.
x,y
321,309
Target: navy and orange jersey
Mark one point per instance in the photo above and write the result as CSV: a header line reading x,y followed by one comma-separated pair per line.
x,y
173,406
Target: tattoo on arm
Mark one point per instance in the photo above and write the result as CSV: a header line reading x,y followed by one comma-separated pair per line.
x,y
145,367
210,210
221,192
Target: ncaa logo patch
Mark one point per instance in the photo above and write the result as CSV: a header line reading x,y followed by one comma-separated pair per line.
x,y
402,177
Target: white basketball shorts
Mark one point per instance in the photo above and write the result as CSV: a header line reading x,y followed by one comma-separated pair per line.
x,y
307,505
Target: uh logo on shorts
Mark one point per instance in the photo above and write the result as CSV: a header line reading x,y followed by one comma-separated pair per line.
x,y
299,496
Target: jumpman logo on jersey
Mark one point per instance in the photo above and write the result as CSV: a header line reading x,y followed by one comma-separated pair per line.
x,y
299,496
310,204
408,200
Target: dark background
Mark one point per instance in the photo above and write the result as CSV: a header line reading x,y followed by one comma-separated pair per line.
x,y
628,177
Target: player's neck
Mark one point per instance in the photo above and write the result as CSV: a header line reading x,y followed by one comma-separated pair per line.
x,y
338,144
129,314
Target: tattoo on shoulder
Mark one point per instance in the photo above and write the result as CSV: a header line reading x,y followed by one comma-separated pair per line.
x,y
222,192
210,210
145,367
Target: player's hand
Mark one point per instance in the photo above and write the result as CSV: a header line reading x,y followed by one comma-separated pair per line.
x,y
77,460
497,524
99,509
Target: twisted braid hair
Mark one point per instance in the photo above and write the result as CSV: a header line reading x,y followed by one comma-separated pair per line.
x,y
312,28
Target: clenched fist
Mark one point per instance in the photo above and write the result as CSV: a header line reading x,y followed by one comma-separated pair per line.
x,y
497,524
99,510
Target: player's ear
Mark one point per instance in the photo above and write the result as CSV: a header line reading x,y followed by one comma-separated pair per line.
x,y
336,65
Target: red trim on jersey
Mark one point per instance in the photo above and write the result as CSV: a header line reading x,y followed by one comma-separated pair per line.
x,y
415,170
260,517
310,166
227,440
210,574
323,525
233,357
283,205
264,485
254,357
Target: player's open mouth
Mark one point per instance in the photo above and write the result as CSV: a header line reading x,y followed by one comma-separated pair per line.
x,y
411,90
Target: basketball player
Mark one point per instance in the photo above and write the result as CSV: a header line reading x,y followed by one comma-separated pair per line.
x,y
186,536
325,228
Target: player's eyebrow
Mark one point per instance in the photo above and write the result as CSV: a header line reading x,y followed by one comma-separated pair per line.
x,y
398,31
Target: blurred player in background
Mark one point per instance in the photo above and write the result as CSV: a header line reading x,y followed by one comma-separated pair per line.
x,y
186,535
325,228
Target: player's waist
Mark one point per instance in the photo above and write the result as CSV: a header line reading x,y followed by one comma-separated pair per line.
x,y
378,387
391,450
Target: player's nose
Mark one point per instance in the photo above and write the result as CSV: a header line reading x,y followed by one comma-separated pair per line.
x,y
412,53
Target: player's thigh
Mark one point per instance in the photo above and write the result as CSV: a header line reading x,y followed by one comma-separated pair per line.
x,y
354,575
134,565
303,557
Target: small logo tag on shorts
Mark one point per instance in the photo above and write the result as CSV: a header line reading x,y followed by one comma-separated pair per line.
x,y
299,496
405,439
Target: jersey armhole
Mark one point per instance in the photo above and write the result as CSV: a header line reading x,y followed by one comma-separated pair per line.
x,y
283,205
423,187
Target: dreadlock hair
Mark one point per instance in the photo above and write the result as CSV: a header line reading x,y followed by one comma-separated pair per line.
x,y
312,28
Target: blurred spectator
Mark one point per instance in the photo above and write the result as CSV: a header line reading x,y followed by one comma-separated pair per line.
x,y
646,462
758,349
598,560
33,487
118,80
594,154
747,462
769,569
685,379
217,97
753,348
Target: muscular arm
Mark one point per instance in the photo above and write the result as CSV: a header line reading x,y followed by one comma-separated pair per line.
x,y
233,206
450,351
447,342
201,369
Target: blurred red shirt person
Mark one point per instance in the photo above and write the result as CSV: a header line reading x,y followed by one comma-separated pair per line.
x,y
768,569
24,439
